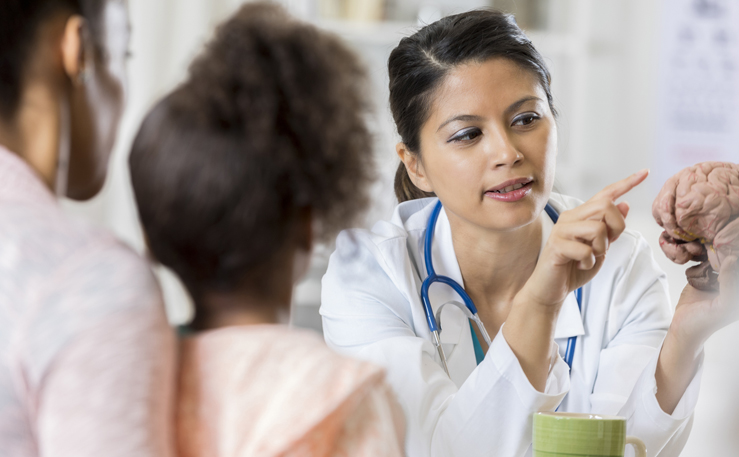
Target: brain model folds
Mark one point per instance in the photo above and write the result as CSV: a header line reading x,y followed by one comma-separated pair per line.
x,y
699,210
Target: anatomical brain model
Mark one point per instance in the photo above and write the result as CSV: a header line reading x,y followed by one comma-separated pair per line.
x,y
699,210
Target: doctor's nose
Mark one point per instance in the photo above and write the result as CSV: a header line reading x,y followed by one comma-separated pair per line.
x,y
503,153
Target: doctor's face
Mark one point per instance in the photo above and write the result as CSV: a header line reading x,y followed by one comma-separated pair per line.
x,y
489,146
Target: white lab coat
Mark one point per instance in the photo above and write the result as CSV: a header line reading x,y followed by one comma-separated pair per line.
x,y
371,309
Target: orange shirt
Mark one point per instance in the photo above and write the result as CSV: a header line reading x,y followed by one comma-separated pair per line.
x,y
269,390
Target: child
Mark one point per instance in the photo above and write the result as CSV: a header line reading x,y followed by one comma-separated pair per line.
x,y
261,152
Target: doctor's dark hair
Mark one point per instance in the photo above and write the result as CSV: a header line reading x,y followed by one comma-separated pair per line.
x,y
268,127
418,65
20,21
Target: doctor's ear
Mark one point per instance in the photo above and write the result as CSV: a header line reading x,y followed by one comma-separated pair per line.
x,y
414,167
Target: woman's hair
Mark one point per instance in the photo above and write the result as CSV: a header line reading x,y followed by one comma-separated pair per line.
x,y
270,124
418,65
20,21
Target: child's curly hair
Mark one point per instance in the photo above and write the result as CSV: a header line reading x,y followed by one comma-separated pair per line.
x,y
270,122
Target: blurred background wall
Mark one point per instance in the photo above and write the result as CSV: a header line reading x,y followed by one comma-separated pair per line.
x,y
609,61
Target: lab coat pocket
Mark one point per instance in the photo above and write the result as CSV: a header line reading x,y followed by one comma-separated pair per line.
x,y
579,403
618,371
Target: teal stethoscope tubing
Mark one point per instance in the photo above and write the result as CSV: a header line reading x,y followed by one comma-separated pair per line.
x,y
432,277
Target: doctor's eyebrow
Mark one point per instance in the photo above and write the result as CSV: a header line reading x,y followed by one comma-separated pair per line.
x,y
473,117
516,105
460,117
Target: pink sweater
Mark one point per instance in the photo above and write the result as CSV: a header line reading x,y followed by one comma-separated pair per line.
x,y
271,391
86,354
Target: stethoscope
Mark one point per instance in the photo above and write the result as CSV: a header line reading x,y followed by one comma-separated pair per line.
x,y
468,308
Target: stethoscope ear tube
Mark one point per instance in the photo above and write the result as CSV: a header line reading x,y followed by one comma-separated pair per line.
x,y
430,319
481,327
467,312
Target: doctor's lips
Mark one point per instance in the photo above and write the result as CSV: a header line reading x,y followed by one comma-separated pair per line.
x,y
511,190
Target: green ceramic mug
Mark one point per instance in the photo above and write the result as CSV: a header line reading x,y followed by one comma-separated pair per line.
x,y
582,435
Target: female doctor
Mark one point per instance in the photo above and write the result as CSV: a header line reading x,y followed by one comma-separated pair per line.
x,y
472,103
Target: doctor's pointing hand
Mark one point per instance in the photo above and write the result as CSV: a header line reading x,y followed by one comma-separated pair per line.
x,y
573,254
577,247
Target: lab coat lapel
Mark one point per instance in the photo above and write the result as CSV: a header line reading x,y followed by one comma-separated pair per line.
x,y
569,322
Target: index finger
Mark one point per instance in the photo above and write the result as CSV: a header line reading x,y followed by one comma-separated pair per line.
x,y
617,189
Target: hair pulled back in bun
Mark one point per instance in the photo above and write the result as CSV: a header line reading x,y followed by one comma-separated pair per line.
x,y
269,123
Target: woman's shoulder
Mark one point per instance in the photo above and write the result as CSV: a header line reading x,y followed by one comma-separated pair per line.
x,y
80,275
53,241
268,348
385,245
408,218
109,274
376,267
264,377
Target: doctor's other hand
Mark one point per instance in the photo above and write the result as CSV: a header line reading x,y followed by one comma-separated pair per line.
x,y
577,246
699,314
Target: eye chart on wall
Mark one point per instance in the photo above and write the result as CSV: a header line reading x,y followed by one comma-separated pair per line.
x,y
698,85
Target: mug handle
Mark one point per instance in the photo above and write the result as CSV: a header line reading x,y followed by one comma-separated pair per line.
x,y
639,447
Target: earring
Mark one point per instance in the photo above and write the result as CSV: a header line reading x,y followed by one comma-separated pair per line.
x,y
83,76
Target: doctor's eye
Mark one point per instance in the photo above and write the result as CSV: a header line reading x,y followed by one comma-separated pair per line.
x,y
526,119
466,135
